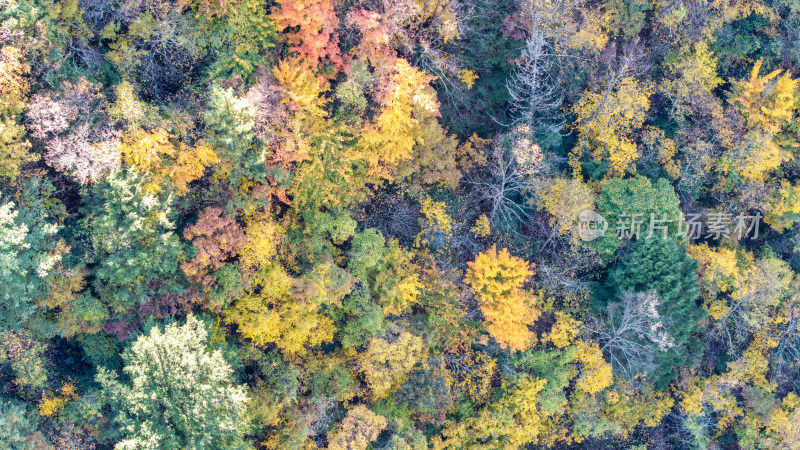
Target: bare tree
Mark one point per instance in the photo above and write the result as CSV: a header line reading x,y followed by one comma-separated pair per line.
x,y
535,95
631,333
514,166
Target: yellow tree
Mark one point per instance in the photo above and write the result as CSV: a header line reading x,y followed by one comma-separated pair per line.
x,y
512,422
268,313
14,87
153,152
390,139
385,365
691,80
766,103
564,199
605,122
783,209
359,428
497,278
784,422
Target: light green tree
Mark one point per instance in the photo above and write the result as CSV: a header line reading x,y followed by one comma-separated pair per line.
x,y
180,394
27,258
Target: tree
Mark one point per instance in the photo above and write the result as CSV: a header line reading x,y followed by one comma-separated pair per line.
x,y
534,92
391,137
274,385
240,38
14,87
662,266
386,364
17,423
181,394
565,199
73,126
511,165
632,333
693,77
161,62
315,38
392,278
24,357
783,422
230,121
757,289
133,237
358,429
497,278
427,391
766,104
30,255
216,239
153,153
783,209
513,421
273,310
629,205
605,122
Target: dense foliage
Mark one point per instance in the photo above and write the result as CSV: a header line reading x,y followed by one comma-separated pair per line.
x,y
399,224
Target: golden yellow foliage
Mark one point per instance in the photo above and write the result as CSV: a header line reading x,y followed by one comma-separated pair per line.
x,y
693,74
783,209
358,429
468,77
497,278
482,227
385,365
766,103
435,225
596,372
784,422
592,32
718,268
436,215
267,313
301,89
699,395
496,274
390,139
190,165
633,402
154,153
751,369
145,153
605,121
14,88
50,404
475,376
564,331
14,84
264,236
564,199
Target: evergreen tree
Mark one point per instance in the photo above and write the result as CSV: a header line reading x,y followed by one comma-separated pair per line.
x,y
179,395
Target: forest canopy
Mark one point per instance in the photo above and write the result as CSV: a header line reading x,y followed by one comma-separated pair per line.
x,y
399,224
